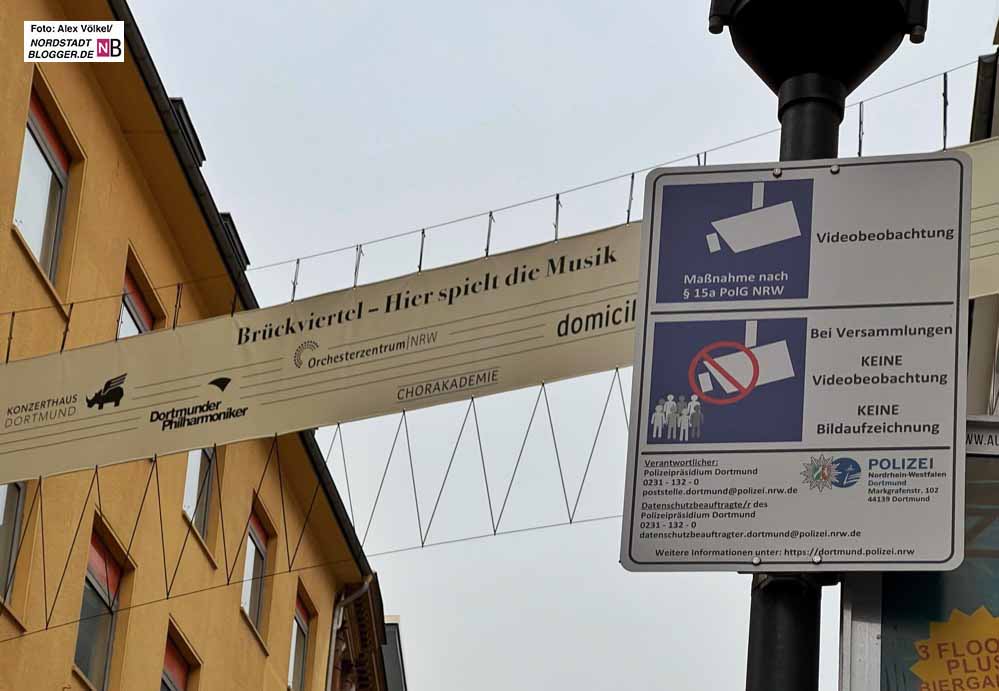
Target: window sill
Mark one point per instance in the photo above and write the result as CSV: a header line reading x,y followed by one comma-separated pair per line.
x,y
53,293
193,530
4,607
256,634
82,678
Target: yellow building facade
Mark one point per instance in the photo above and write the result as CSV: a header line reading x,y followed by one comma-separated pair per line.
x,y
228,568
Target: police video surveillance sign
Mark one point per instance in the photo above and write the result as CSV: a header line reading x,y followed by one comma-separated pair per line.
x,y
799,386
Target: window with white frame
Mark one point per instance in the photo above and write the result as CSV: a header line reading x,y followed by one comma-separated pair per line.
x,y
299,646
198,488
134,317
11,506
41,187
252,599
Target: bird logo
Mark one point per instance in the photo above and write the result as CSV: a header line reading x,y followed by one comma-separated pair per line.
x,y
220,383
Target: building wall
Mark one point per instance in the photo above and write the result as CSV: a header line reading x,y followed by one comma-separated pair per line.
x,y
117,215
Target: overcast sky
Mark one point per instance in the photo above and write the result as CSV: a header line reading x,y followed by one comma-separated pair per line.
x,y
328,124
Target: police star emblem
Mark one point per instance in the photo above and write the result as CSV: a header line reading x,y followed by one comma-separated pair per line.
x,y
819,473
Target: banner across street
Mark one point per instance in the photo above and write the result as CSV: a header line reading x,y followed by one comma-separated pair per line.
x,y
543,313
799,386
373,353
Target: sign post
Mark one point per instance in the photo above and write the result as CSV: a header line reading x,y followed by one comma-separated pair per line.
x,y
799,404
812,55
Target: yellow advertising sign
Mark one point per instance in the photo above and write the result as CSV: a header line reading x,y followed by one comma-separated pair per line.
x,y
961,654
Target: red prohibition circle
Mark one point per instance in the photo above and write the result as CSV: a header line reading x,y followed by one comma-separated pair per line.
x,y
704,354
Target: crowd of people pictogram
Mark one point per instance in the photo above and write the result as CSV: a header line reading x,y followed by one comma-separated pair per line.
x,y
679,418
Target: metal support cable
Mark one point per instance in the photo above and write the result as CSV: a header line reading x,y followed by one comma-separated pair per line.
x,y
482,457
100,512
10,337
100,501
860,130
338,432
329,450
45,568
470,538
525,202
117,317
218,484
382,483
489,231
190,524
249,515
454,452
346,477
593,448
412,475
24,533
946,102
305,524
65,331
69,555
359,252
135,527
519,457
558,207
20,636
294,280
558,459
176,304
159,505
624,406
284,515
631,198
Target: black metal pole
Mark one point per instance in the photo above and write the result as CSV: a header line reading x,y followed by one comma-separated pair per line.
x,y
785,611
810,108
784,633
812,55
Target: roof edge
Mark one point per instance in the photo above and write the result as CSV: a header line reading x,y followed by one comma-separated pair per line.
x,y
236,270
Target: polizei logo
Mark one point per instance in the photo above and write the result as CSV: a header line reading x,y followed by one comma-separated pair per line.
x,y
209,411
825,473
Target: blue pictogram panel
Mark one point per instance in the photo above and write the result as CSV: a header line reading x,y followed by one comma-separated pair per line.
x,y
727,381
735,241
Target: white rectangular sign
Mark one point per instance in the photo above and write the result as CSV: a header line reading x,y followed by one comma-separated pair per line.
x,y
799,383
